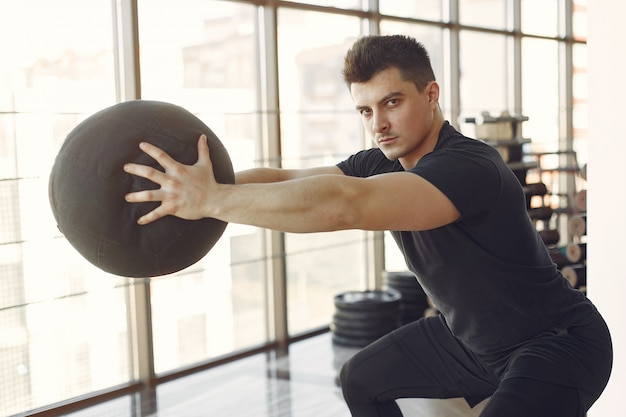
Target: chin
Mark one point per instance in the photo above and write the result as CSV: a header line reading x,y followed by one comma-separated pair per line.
x,y
391,155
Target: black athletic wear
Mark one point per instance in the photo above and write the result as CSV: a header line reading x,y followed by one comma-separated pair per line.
x,y
502,298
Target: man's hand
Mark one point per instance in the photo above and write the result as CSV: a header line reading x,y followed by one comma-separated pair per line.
x,y
184,189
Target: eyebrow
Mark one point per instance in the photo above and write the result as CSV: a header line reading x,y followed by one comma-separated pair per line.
x,y
386,97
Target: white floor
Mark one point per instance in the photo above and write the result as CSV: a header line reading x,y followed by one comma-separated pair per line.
x,y
298,384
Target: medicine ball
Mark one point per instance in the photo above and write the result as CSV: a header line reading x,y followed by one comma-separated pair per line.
x,y
87,187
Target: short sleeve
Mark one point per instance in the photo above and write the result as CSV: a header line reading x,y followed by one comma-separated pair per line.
x,y
367,163
472,182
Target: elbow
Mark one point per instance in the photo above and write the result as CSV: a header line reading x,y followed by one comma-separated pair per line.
x,y
345,213
342,220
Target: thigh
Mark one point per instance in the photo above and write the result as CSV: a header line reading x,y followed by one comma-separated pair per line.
x,y
577,356
420,360
524,397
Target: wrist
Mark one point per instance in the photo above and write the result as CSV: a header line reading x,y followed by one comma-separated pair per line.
x,y
215,201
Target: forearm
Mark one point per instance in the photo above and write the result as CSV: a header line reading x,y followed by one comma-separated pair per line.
x,y
312,204
301,200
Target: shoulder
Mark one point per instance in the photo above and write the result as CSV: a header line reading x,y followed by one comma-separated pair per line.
x,y
451,139
461,152
469,172
367,163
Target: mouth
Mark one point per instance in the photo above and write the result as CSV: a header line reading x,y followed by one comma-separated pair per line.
x,y
386,140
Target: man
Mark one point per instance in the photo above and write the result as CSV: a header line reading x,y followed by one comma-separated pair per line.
x,y
511,327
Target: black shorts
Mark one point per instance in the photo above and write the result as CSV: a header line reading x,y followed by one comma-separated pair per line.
x,y
424,360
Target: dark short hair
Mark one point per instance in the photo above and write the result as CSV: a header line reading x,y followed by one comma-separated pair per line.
x,y
371,54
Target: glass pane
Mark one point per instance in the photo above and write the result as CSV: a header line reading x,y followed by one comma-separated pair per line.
x,y
212,308
540,93
319,126
319,266
416,9
340,4
579,19
8,162
57,67
484,13
50,67
394,259
540,17
316,106
484,75
51,348
580,83
202,55
541,103
581,103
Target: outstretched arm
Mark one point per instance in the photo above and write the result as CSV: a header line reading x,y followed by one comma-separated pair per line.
x,y
326,202
267,175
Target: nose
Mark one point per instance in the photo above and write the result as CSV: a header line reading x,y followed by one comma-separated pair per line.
x,y
380,124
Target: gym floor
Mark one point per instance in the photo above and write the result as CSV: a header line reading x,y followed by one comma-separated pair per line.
x,y
297,383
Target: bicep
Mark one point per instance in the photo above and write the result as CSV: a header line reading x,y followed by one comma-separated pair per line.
x,y
402,201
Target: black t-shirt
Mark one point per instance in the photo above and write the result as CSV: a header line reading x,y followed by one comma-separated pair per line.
x,y
489,273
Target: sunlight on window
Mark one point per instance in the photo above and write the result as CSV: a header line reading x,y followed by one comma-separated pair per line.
x,y
64,327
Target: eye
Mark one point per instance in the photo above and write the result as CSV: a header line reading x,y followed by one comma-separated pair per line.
x,y
392,102
365,112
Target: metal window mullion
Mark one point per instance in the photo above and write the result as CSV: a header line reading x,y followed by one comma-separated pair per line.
x,y
375,258
126,49
374,246
140,318
276,306
566,82
453,72
128,87
566,104
371,25
516,56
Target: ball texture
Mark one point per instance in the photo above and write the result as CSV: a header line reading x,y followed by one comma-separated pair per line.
x,y
87,187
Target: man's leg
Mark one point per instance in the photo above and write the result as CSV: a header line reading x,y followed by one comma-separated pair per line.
x,y
524,397
419,360
558,373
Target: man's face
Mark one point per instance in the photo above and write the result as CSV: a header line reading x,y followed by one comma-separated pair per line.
x,y
397,116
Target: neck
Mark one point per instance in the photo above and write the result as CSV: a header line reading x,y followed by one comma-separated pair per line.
x,y
428,145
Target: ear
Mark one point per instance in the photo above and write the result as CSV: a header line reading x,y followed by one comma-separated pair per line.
x,y
432,89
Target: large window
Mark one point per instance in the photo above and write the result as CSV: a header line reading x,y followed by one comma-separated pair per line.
x,y
540,17
318,127
579,80
201,55
485,13
419,9
540,93
485,75
63,324
266,77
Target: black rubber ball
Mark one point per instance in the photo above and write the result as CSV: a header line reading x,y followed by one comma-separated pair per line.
x,y
87,188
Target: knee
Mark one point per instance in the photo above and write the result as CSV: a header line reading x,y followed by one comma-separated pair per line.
x,y
363,375
344,374
349,379
365,390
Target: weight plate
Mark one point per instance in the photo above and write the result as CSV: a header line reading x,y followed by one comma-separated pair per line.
x,y
368,300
